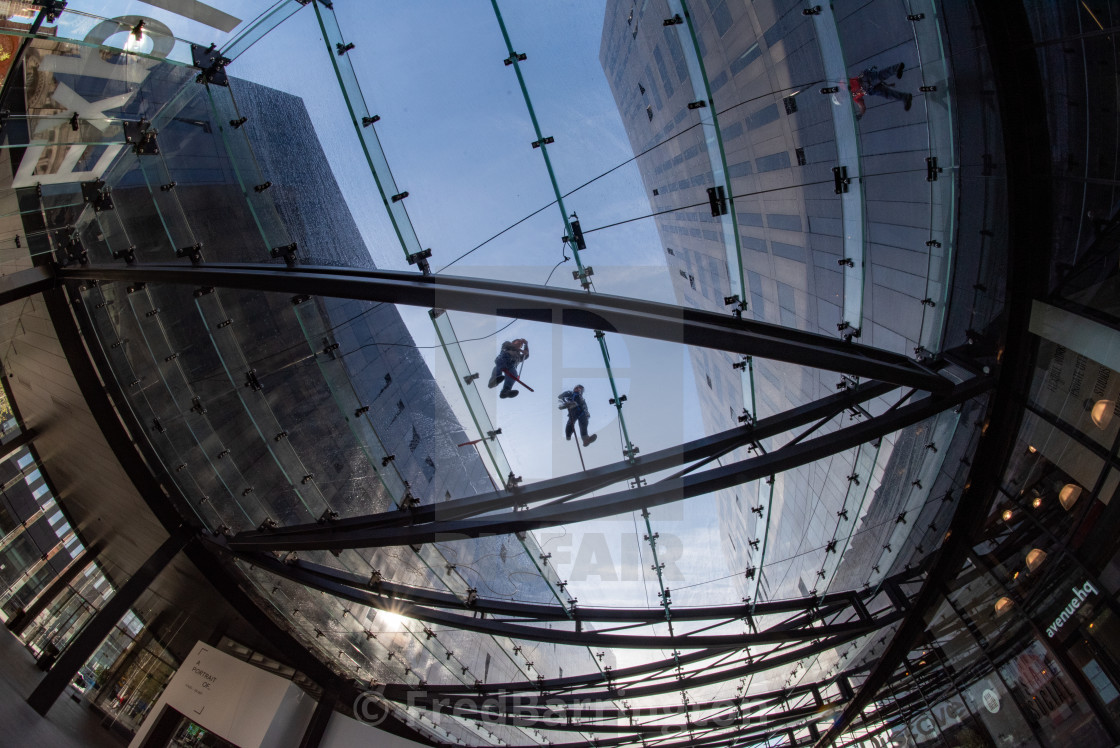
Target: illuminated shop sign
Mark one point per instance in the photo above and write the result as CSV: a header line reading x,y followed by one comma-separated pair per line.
x,y
1080,594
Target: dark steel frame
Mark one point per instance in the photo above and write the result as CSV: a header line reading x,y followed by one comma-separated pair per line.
x,y
667,491
699,451
814,607
618,314
813,623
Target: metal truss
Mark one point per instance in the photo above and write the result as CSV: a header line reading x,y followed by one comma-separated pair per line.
x,y
808,610
675,488
811,625
618,314
713,659
698,452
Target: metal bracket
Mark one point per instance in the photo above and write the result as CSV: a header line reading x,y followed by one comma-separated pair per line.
x,y
717,199
738,305
516,56
141,137
193,252
97,195
287,251
212,65
577,236
544,141
420,260
583,275
674,21
840,180
128,255
932,169
75,251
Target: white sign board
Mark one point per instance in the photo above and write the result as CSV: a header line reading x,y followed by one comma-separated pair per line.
x,y
247,706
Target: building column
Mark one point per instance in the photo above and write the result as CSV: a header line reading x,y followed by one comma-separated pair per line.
x,y
87,642
18,623
319,720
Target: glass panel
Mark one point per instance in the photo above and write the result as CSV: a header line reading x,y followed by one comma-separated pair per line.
x,y
264,24
254,186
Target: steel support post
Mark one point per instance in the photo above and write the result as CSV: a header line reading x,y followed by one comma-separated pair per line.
x,y
320,718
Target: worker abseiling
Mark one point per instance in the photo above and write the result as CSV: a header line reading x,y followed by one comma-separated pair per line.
x,y
578,412
506,366
874,82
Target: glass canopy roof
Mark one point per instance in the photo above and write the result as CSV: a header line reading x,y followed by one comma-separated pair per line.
x,y
697,165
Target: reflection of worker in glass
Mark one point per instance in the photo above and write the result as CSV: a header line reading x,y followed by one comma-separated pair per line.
x,y
513,353
578,412
873,82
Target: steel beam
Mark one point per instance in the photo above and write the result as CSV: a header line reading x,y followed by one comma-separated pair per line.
x,y
516,630
809,608
664,492
611,689
596,478
24,283
617,314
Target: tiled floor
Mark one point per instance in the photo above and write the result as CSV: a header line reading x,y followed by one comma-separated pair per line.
x,y
67,725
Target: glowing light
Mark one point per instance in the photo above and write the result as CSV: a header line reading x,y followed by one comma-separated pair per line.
x,y
1003,605
1037,502
390,621
1101,413
1031,449
1069,495
1035,558
1007,514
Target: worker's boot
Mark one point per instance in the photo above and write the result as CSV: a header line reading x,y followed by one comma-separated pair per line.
x,y
588,439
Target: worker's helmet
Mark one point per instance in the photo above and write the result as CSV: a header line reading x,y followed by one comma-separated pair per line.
x,y
578,388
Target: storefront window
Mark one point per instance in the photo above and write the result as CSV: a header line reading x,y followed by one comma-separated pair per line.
x,y
1061,716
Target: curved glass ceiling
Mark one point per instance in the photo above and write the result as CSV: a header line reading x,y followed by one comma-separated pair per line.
x,y
710,156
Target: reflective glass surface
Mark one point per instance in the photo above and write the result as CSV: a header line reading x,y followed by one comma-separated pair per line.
x,y
804,173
